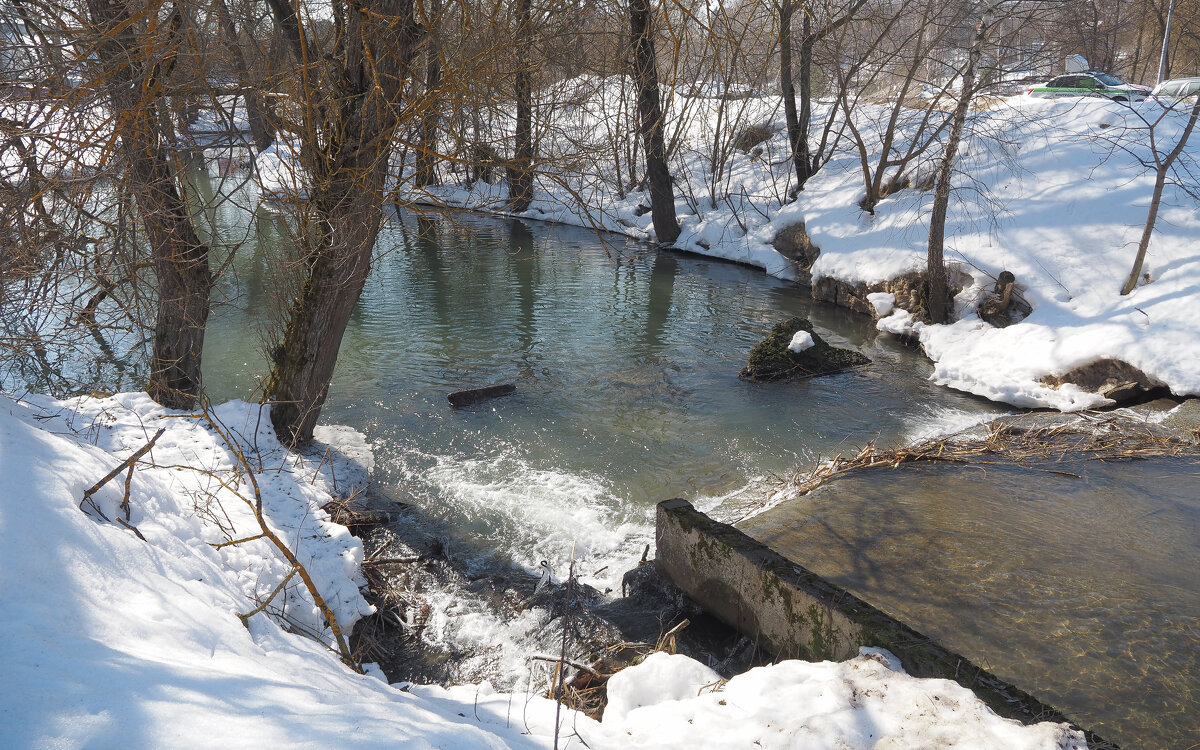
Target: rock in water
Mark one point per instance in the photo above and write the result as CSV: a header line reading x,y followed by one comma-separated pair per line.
x,y
771,359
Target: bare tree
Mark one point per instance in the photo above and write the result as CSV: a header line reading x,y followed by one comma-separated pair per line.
x,y
352,105
521,179
136,57
938,302
799,120
650,116
1162,168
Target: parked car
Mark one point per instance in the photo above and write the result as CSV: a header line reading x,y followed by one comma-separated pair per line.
x,y
1176,88
1090,84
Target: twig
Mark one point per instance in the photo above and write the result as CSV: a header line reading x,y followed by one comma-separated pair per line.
x,y
568,662
392,560
126,464
557,686
270,597
257,506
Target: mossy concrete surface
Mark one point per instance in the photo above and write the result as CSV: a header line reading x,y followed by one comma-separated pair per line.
x,y
794,613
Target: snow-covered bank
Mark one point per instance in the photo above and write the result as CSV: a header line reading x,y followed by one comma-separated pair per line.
x,y
1054,191
119,641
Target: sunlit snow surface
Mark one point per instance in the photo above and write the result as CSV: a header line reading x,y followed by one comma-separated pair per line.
x,y
117,642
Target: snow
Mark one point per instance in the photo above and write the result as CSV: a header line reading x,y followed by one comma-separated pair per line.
x,y
1054,191
882,302
862,702
116,640
801,341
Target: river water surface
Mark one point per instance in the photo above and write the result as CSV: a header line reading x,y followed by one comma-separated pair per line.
x,y
625,363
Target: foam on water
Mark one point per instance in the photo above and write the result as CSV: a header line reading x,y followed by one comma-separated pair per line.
x,y
527,514
941,421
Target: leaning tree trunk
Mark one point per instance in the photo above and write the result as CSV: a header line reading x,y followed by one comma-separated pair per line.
x,y
133,83
1163,167
645,73
520,183
318,317
363,107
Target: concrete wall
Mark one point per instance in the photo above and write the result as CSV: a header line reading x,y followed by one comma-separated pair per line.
x,y
793,613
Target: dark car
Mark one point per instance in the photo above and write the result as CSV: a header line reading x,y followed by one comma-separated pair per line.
x,y
1090,84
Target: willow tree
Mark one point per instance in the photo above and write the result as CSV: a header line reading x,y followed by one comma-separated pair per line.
x,y
137,47
350,86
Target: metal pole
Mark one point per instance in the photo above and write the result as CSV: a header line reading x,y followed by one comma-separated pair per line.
x,y
1162,61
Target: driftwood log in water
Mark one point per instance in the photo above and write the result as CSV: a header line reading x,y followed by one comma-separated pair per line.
x,y
475,395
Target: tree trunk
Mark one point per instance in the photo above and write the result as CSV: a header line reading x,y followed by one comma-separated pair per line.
x,y
261,130
133,84
427,153
797,138
806,163
520,180
797,121
304,362
938,305
1160,181
645,73
362,105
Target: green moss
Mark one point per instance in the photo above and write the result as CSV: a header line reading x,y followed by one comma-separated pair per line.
x,y
823,640
770,359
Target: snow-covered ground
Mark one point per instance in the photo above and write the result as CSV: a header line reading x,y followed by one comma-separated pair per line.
x,y
1054,191
132,639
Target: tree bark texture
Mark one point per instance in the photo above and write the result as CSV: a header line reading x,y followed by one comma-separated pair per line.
x,y
359,113
133,83
520,182
645,73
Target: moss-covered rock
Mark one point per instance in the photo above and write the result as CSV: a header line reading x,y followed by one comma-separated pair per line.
x,y
770,359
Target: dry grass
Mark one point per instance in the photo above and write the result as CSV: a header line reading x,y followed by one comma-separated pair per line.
x,y
1033,446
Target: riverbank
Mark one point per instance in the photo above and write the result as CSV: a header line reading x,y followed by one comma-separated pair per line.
x,y
1052,191
168,596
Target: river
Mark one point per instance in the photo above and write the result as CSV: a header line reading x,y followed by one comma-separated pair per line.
x,y
625,364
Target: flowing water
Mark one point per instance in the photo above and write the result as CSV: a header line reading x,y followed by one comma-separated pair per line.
x,y
1074,578
625,362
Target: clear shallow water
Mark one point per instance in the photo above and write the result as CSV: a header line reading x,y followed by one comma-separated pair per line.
x,y
1082,589
625,362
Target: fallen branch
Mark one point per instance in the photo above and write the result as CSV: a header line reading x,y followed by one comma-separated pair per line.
x,y
297,568
567,662
126,464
